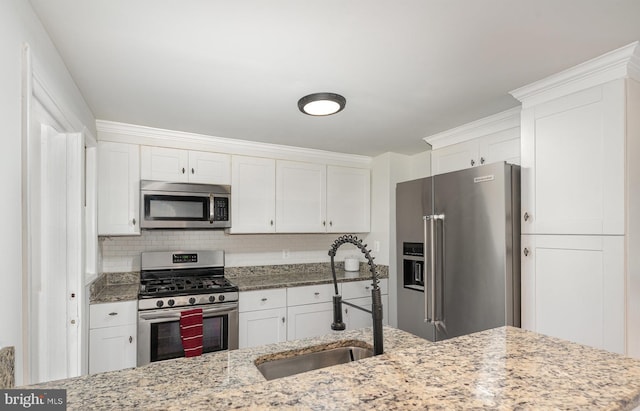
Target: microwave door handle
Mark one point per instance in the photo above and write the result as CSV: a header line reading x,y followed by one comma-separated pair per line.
x,y
211,208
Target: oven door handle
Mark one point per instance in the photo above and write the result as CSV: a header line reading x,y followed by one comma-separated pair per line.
x,y
174,314
211,208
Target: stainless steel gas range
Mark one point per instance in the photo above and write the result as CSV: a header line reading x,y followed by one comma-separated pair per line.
x,y
174,281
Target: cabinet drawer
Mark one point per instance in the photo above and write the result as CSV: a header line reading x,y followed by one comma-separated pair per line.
x,y
310,294
358,289
113,314
262,299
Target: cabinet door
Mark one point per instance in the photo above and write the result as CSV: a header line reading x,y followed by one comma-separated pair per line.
x,y
309,320
253,195
118,188
209,168
112,348
355,319
502,146
348,199
573,288
573,163
359,289
301,197
454,157
262,327
164,164
310,294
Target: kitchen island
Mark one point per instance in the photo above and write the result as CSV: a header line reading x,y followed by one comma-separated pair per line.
x,y
504,368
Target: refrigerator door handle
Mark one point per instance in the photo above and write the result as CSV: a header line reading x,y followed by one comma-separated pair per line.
x,y
439,260
430,303
431,314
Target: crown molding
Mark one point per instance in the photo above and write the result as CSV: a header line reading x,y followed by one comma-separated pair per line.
x,y
504,120
134,134
620,63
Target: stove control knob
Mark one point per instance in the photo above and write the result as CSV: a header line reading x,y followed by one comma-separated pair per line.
x,y
212,298
160,303
192,300
221,298
171,302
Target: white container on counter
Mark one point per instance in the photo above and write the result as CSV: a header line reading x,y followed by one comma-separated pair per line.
x,y
351,264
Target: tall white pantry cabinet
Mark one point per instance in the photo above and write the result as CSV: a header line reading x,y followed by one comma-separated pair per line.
x,y
580,211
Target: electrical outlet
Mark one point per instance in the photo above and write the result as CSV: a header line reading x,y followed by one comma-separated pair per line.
x,y
285,253
376,246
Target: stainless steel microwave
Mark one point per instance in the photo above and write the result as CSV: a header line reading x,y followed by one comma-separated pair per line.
x,y
184,205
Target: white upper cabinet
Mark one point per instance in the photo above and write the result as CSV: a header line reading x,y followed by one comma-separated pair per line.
x,y
253,195
209,168
301,193
270,196
573,159
348,200
169,164
118,188
489,140
454,157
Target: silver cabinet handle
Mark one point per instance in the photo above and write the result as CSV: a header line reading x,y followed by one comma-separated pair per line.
x,y
130,339
133,221
331,223
282,320
271,222
482,160
113,313
473,162
324,223
182,170
316,293
526,216
366,287
193,171
263,299
526,252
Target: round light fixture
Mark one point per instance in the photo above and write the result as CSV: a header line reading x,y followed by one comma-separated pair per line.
x,y
321,104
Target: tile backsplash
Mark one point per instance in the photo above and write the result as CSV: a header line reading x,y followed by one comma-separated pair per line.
x,y
121,254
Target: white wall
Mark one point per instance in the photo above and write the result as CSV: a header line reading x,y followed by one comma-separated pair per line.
x,y
387,170
19,24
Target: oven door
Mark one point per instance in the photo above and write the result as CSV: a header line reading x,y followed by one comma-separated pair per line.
x,y
159,331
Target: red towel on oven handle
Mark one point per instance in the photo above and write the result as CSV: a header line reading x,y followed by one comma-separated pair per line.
x,y
191,332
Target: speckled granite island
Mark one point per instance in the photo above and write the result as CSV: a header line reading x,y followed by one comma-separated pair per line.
x,y
504,368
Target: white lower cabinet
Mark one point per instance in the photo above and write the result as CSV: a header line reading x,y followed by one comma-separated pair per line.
x,y
309,311
262,327
355,319
309,320
262,317
112,336
280,314
573,287
359,293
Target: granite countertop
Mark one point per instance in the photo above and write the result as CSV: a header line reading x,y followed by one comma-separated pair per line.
x,y
114,287
279,279
504,368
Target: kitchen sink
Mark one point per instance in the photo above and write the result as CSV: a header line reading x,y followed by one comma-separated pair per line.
x,y
297,362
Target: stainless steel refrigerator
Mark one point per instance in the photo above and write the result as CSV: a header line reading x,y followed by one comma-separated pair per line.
x,y
458,239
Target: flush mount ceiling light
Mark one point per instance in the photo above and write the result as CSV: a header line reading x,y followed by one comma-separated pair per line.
x,y
321,104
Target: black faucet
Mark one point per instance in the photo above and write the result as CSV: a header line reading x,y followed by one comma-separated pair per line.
x,y
376,299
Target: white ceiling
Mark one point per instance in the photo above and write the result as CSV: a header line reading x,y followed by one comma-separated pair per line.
x,y
408,68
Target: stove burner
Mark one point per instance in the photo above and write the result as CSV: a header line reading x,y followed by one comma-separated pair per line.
x,y
165,283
